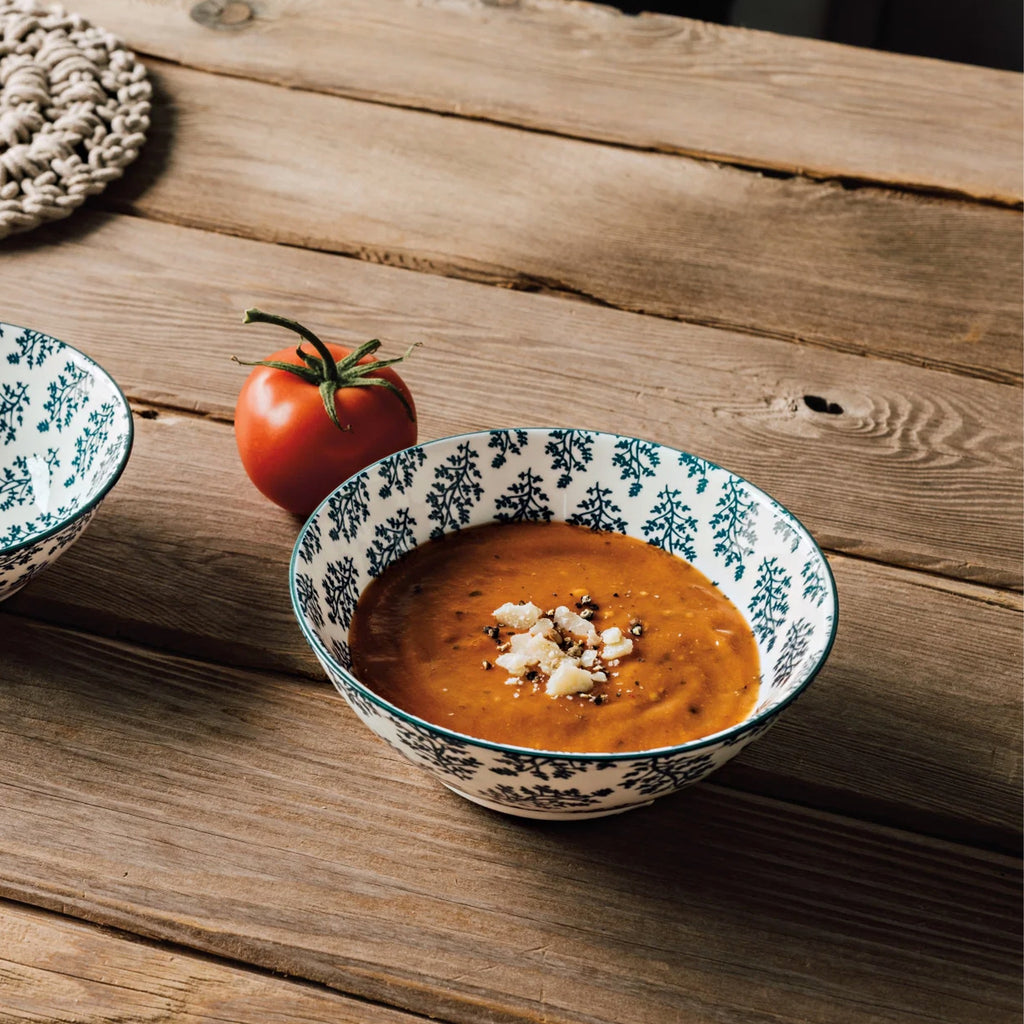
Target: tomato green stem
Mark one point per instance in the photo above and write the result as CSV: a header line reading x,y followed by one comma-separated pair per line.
x,y
257,316
323,371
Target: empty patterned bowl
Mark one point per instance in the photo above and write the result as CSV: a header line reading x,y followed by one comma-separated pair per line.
x,y
65,437
756,551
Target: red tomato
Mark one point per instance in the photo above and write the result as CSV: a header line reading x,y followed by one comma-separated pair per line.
x,y
291,449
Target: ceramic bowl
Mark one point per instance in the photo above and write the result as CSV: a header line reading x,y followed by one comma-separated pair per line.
x,y
756,551
65,437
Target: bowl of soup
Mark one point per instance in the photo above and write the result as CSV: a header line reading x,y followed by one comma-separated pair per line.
x,y
562,623
65,437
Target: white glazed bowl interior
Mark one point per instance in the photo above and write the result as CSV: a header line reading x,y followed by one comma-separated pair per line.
x,y
756,551
65,437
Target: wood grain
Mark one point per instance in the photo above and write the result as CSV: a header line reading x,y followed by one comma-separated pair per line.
x,y
899,726
925,281
930,464
248,815
65,971
653,82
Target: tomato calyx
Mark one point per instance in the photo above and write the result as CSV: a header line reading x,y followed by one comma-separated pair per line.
x,y
323,371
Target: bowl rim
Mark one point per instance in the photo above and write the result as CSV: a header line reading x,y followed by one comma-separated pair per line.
x,y
732,734
93,502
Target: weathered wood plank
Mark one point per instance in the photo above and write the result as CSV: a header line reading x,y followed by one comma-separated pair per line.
x,y
65,971
926,281
896,727
249,815
890,478
653,82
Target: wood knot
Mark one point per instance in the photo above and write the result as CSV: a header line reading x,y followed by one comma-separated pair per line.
x,y
818,404
222,14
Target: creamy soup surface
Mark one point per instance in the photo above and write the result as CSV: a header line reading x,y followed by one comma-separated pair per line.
x,y
425,638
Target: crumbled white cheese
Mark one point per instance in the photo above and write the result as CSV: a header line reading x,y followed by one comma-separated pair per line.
x,y
612,652
568,678
513,662
575,625
613,635
564,650
528,651
548,654
518,616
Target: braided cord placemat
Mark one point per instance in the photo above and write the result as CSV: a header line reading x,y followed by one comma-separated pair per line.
x,y
74,110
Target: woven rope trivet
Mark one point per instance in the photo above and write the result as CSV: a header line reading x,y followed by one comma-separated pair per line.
x,y
74,110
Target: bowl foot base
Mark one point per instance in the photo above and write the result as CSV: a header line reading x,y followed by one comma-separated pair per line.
x,y
539,814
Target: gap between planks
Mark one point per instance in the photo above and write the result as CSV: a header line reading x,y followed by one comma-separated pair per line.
x,y
653,82
777,170
921,452
662,236
998,594
63,968
528,284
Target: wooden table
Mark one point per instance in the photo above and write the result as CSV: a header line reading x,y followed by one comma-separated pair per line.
x,y
800,260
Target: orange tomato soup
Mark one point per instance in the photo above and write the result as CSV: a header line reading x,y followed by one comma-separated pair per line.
x,y
425,638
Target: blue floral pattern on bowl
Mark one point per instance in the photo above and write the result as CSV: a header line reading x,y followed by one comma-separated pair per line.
x,y
755,550
65,437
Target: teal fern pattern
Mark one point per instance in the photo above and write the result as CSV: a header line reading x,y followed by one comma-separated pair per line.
x,y
391,540
399,471
598,511
545,797
524,501
636,459
770,604
15,484
449,756
814,582
13,400
733,526
348,509
571,451
66,394
785,530
695,467
794,647
507,442
93,437
657,775
455,491
544,768
670,527
312,542
309,601
34,349
14,535
341,590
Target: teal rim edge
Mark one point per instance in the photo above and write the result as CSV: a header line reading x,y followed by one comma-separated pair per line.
x,y
732,733
52,531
